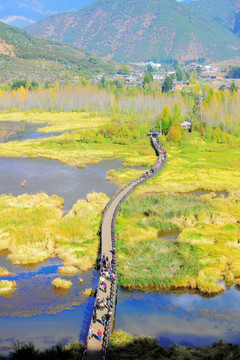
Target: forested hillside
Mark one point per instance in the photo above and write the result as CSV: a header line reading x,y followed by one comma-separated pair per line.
x,y
141,30
226,12
24,55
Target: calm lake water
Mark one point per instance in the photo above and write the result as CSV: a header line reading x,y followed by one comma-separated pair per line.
x,y
186,319
36,312
53,177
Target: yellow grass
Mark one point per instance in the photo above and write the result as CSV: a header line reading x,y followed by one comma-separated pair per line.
x,y
67,148
68,270
87,292
62,284
32,229
214,234
58,121
4,271
7,286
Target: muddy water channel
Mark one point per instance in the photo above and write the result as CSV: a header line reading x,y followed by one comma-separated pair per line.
x,y
36,312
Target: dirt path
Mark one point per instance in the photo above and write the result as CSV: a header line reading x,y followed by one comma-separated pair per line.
x,y
95,348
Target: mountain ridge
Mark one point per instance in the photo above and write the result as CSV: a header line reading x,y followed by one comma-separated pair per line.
x,y
135,30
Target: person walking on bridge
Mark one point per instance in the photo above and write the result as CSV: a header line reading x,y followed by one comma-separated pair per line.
x,y
99,334
104,320
94,317
108,302
90,333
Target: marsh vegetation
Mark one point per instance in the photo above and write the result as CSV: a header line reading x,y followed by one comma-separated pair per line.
x,y
207,248
113,123
43,232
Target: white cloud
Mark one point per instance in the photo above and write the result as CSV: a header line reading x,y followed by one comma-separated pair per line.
x,y
34,5
12,18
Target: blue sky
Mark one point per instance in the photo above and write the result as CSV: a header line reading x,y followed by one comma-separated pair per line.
x,y
37,9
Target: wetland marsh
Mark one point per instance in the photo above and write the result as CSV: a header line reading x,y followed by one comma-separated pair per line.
x,y
168,239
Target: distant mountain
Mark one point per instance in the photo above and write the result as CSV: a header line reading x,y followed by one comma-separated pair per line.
x,y
19,21
37,9
29,57
225,12
135,30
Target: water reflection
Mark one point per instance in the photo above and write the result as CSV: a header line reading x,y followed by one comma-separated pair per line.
x,y
35,294
182,318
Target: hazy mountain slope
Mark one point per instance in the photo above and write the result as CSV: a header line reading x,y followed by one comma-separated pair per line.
x,y
32,55
19,21
226,12
139,30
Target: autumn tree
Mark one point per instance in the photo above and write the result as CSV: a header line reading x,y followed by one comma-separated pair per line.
x,y
176,114
191,80
165,120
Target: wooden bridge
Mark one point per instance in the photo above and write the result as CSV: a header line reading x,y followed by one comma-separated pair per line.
x,y
105,306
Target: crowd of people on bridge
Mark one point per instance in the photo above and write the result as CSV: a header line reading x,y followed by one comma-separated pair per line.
x,y
103,308
162,157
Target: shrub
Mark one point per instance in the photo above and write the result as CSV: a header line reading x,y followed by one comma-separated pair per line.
x,y
174,134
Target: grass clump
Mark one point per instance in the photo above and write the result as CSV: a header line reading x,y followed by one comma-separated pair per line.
x,y
7,286
124,345
62,284
88,292
68,270
4,271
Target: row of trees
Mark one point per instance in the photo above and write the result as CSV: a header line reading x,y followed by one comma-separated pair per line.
x,y
207,106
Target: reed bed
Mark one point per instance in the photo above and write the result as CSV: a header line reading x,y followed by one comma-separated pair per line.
x,y
205,252
33,229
